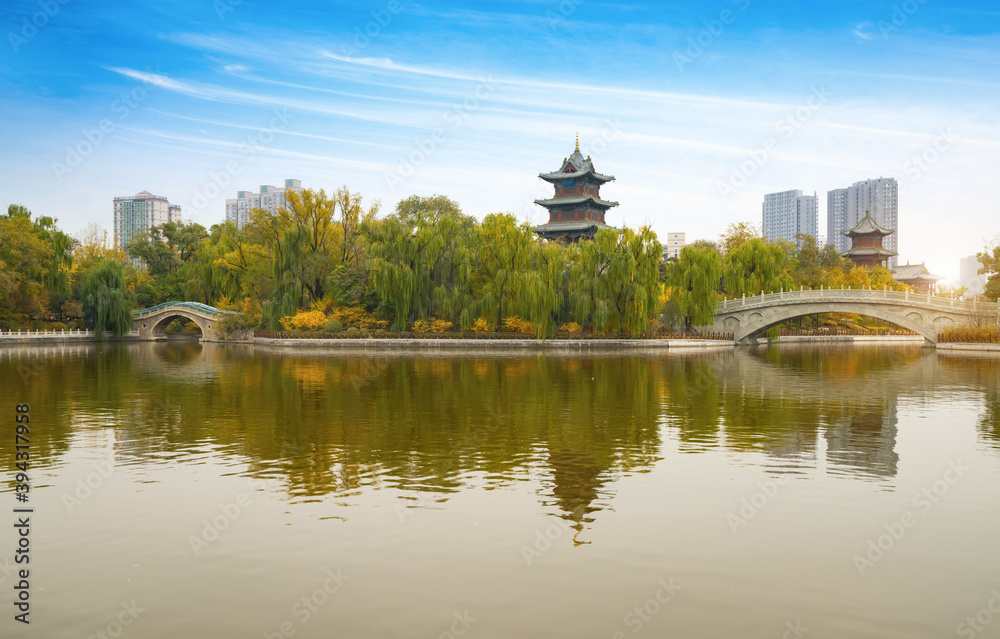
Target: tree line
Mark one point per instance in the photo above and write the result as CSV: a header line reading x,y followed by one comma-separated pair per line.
x,y
426,261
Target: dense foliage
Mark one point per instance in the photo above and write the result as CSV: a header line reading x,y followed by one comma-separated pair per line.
x,y
333,263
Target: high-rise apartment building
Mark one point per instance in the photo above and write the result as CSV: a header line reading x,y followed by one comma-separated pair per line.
x,y
675,242
270,198
969,276
787,213
135,214
846,207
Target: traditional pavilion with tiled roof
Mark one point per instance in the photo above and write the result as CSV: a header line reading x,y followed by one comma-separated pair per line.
x,y
866,243
917,277
577,210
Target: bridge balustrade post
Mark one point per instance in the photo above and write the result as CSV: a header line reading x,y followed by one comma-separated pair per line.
x,y
906,294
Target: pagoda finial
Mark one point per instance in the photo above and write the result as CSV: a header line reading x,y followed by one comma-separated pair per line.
x,y
577,141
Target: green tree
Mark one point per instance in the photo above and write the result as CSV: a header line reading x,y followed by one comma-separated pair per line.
x,y
107,305
737,233
25,259
694,282
756,266
808,271
990,261
503,251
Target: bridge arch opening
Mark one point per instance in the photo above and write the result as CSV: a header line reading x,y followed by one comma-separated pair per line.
x,y
158,326
759,323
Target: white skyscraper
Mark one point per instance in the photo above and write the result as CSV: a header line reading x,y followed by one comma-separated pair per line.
x,y
270,198
846,207
787,213
134,214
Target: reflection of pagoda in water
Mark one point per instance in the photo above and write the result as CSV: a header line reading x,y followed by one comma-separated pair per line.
x,y
576,485
864,443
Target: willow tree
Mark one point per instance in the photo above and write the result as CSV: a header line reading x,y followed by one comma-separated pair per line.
x,y
588,263
756,266
693,282
503,252
542,289
632,277
400,253
107,305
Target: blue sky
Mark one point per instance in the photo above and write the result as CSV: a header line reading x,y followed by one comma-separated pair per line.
x,y
698,109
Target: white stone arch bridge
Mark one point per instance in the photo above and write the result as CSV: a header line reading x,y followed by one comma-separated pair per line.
x,y
152,323
923,314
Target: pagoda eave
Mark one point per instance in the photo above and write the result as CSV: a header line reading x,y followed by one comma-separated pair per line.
x,y
559,177
560,201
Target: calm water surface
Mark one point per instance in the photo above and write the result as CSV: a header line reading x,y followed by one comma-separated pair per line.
x,y
211,491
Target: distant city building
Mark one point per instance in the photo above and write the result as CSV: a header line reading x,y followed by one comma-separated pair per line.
x,y
846,207
969,277
917,277
577,210
675,242
836,219
787,213
135,214
270,198
866,244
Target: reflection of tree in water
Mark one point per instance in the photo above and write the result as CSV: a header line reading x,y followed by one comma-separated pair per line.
x,y
332,426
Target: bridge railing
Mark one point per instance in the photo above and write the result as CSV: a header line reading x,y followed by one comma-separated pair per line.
x,y
825,294
196,306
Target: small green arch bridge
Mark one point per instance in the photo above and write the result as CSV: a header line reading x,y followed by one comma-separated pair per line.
x,y
151,323
924,314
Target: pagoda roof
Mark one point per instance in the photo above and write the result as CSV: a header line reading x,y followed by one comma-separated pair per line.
x,y
913,272
576,199
571,226
869,250
868,225
573,167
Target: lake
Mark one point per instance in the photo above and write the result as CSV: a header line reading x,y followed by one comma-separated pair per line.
x,y
204,490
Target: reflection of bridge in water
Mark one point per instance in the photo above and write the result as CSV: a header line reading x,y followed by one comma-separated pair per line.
x,y
925,315
152,322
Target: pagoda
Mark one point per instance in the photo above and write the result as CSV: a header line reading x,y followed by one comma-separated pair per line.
x,y
577,210
917,277
866,243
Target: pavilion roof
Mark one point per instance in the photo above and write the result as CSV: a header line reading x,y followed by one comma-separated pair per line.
x,y
869,250
576,199
868,225
913,272
573,167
